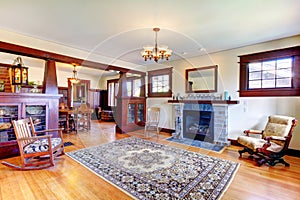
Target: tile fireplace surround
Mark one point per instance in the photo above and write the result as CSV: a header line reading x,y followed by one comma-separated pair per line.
x,y
220,118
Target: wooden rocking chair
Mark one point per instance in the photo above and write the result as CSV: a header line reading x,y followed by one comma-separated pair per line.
x,y
37,148
274,141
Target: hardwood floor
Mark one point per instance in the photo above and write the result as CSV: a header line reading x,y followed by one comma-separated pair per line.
x,y
69,180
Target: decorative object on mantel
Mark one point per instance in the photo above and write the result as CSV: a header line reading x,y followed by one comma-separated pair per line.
x,y
74,78
226,95
210,96
205,101
156,52
149,170
35,85
19,72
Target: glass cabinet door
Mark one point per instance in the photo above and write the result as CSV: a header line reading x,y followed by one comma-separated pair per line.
x,y
131,113
140,112
38,115
7,114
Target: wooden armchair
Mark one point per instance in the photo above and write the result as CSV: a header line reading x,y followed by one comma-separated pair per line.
x,y
37,148
273,143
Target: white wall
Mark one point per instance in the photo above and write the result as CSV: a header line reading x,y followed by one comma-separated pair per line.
x,y
251,112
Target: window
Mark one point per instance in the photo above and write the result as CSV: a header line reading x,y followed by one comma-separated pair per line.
x,y
160,83
134,87
113,88
137,84
271,73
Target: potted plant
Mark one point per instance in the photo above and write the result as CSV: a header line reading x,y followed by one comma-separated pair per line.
x,y
35,85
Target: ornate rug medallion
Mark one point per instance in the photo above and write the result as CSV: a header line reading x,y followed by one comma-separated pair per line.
x,y
146,160
149,170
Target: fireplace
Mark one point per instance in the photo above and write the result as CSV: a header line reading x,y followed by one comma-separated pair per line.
x,y
210,119
198,122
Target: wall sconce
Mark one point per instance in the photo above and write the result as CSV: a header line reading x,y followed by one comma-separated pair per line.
x,y
19,72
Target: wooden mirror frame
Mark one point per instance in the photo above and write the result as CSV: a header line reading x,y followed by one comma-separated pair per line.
x,y
70,91
188,88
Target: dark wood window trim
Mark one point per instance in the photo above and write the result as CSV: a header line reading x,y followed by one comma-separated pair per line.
x,y
293,52
166,71
111,81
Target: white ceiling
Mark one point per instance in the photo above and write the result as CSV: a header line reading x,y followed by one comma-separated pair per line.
x,y
119,29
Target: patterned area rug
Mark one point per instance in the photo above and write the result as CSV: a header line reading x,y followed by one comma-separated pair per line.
x,y
148,170
197,143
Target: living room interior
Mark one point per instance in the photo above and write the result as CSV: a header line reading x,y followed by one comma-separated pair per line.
x,y
202,35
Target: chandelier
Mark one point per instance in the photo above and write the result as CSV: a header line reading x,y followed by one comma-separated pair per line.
x,y
74,79
156,52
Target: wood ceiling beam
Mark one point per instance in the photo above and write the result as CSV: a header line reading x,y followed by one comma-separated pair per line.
x,y
45,55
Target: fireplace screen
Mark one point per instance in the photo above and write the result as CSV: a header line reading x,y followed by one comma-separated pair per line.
x,y
198,122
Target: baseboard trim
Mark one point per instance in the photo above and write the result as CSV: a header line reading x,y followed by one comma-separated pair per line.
x,y
293,152
290,152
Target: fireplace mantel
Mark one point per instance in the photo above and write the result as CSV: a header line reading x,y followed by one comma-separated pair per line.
x,y
204,101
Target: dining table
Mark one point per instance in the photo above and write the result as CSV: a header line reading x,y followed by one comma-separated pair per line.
x,y
67,113
76,112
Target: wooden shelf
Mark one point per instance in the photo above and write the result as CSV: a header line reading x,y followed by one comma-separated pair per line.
x,y
205,101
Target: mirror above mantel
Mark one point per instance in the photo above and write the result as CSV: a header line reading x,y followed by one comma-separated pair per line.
x,y
202,79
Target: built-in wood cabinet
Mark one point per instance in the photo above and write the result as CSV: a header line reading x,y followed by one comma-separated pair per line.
x,y
131,115
42,108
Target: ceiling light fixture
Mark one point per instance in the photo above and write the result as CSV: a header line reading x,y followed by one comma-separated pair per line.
x,y
74,79
156,52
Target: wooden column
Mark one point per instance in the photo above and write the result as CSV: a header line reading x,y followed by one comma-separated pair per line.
x,y
50,78
122,93
143,88
122,85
